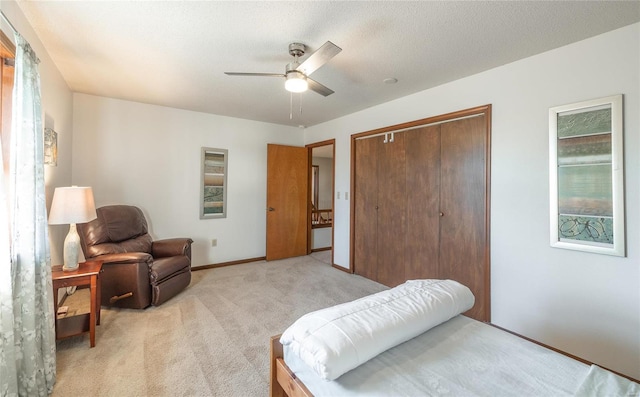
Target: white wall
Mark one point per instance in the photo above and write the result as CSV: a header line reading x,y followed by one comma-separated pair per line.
x,y
149,156
585,304
57,105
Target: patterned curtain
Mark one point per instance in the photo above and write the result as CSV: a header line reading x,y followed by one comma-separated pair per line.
x,y
27,341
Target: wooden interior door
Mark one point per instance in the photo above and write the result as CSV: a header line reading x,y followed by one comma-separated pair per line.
x,y
423,202
463,203
287,201
365,196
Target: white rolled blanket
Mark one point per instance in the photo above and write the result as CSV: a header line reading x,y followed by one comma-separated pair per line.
x,y
337,339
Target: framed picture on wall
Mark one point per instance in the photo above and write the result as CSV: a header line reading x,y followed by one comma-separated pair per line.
x,y
213,183
50,147
586,175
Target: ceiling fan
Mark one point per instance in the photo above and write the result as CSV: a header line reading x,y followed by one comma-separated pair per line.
x,y
297,74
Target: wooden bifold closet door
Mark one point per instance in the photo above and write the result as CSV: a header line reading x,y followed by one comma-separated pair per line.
x,y
463,195
365,235
423,198
420,206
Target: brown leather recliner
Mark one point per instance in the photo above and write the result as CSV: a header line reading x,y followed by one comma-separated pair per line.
x,y
137,271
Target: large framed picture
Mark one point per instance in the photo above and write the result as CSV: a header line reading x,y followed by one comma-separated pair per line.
x,y
586,175
213,183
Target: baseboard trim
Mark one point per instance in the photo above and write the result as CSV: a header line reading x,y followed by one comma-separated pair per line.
x,y
230,263
321,249
258,259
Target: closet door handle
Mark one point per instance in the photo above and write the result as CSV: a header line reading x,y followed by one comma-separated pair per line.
x,y
441,214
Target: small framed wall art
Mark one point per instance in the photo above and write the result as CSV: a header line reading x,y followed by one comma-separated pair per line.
x,y
586,176
50,147
213,183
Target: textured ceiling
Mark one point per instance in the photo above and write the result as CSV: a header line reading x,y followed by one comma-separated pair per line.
x,y
175,53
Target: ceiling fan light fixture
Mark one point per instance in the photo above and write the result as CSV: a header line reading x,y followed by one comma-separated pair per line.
x,y
296,82
296,73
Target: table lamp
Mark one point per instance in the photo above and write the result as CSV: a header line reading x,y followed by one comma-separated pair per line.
x,y
72,205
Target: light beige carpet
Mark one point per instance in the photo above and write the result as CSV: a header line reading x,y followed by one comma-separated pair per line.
x,y
210,340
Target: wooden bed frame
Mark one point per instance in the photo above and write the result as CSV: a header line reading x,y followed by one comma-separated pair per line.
x,y
283,381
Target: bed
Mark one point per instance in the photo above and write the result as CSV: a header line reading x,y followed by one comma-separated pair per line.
x,y
434,351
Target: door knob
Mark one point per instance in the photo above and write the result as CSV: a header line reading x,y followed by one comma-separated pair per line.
x,y
442,214
271,209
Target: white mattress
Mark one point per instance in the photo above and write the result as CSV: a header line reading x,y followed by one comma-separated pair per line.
x,y
461,357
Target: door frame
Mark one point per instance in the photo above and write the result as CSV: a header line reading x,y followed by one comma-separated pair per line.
x,y
310,148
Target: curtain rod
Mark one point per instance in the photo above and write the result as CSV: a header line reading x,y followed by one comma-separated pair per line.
x,y
8,22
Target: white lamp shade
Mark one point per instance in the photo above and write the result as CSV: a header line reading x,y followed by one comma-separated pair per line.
x,y
72,205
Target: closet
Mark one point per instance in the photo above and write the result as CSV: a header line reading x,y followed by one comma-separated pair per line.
x,y
421,203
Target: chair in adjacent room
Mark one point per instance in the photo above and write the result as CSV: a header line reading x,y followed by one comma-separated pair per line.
x,y
137,271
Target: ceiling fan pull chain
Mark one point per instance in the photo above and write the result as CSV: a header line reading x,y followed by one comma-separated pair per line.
x,y
291,106
300,104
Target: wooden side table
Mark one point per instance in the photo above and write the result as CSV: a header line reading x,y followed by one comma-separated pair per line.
x,y
87,274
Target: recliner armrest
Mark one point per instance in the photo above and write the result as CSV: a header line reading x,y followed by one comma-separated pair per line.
x,y
171,247
125,257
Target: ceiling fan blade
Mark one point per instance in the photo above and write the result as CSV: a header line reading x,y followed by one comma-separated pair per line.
x,y
255,74
319,88
319,58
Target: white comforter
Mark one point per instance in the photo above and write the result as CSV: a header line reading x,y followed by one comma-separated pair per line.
x,y
335,340
461,357
600,382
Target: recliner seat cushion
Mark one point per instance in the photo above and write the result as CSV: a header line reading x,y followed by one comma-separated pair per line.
x,y
138,244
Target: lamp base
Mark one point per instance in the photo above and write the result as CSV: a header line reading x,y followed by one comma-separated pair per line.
x,y
70,268
70,251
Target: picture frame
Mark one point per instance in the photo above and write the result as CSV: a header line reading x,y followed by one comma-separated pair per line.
x,y
586,176
213,183
50,147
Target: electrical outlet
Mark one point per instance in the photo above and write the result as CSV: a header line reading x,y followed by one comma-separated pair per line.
x,y
214,242
338,195
346,195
